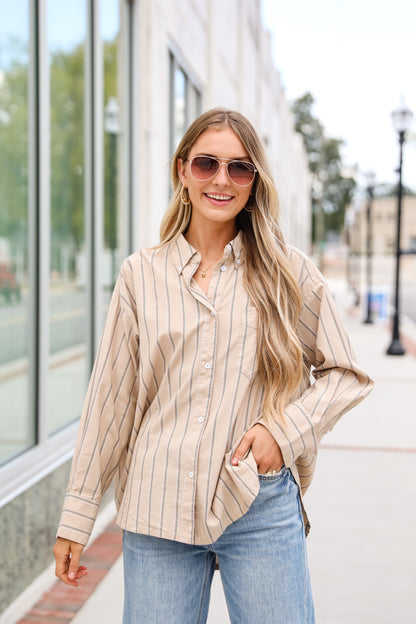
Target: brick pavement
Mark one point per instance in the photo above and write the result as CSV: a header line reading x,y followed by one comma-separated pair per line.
x,y
61,603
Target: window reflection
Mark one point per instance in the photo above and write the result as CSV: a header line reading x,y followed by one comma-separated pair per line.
x,y
185,103
16,425
194,103
68,261
179,105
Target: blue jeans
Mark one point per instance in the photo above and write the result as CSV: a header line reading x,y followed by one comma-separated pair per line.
x,y
263,566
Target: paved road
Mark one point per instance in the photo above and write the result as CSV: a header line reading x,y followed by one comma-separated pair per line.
x,y
68,324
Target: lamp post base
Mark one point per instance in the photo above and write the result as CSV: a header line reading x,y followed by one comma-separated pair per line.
x,y
395,348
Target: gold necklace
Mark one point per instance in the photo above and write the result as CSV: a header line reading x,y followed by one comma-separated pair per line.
x,y
205,271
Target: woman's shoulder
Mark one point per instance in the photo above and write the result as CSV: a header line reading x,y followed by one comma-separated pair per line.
x,y
143,255
305,270
143,260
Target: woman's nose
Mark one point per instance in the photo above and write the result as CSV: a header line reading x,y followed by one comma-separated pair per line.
x,y
221,177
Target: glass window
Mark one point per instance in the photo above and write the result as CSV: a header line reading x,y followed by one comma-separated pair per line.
x,y
16,420
194,103
179,106
185,103
68,368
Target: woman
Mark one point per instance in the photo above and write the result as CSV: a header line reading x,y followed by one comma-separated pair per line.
x,y
201,404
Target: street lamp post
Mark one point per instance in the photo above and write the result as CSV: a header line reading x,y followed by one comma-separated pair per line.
x,y
370,178
401,119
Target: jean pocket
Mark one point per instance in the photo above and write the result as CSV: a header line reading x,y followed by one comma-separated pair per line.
x,y
272,477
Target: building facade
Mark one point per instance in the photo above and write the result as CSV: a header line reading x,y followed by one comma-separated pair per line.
x,y
94,97
383,225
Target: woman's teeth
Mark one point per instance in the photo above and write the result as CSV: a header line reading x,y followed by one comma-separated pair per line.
x,y
218,197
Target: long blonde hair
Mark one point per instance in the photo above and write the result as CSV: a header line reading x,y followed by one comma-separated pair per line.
x,y
270,283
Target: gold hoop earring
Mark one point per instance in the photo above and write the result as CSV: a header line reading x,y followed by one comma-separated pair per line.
x,y
186,200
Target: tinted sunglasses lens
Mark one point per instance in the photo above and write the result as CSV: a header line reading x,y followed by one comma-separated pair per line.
x,y
241,173
204,167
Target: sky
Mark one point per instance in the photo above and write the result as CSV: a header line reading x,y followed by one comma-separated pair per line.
x,y
358,59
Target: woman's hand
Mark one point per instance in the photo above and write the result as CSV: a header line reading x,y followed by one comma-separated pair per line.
x,y
67,557
264,447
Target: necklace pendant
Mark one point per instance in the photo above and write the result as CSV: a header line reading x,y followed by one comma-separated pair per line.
x,y
203,275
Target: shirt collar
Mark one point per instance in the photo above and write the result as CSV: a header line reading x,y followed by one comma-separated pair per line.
x,y
184,252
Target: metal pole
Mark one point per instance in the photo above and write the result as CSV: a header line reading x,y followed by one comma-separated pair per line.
x,y
369,267
396,348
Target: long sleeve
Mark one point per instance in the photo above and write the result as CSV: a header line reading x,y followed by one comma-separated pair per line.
x,y
108,414
339,383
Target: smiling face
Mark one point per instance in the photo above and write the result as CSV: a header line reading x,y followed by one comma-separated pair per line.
x,y
217,200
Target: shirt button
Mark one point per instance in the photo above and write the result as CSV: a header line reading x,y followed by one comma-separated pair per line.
x,y
191,475
207,365
212,313
201,419
179,268
229,247
223,268
238,260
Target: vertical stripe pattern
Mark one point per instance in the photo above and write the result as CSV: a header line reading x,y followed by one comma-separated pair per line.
x,y
175,386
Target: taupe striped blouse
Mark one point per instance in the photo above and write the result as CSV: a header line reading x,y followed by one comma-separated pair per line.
x,y
174,388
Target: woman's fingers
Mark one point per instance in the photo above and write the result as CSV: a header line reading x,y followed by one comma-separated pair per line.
x,y
264,447
67,559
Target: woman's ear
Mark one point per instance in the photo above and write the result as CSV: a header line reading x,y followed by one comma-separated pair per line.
x,y
182,171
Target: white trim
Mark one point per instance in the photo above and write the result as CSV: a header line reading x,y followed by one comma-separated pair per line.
x,y
29,365
44,182
94,174
136,210
97,83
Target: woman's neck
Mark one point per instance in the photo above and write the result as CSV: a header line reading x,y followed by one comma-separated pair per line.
x,y
210,241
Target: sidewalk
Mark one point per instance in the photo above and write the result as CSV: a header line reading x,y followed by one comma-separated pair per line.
x,y
362,507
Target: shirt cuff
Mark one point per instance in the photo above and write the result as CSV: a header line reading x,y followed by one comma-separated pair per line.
x,y
77,519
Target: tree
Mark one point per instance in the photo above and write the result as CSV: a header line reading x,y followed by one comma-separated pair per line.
x,y
13,140
331,190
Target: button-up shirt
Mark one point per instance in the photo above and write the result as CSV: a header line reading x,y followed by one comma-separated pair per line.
x,y
175,387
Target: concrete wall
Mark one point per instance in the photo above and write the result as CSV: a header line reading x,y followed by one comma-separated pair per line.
x,y
27,530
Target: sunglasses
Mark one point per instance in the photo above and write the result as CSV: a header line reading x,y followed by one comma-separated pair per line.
x,y
240,172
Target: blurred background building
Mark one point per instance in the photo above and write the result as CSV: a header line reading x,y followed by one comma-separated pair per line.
x,y
94,96
384,215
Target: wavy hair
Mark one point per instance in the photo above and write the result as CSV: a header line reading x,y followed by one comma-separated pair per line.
x,y
271,285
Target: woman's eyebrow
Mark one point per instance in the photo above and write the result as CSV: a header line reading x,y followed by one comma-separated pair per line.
x,y
219,157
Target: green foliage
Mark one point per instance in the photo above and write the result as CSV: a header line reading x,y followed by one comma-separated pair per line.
x,y
67,146
13,140
331,190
